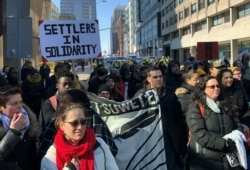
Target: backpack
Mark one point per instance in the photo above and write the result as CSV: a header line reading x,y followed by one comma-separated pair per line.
x,y
48,131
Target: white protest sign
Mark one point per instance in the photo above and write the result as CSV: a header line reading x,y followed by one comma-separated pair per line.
x,y
69,39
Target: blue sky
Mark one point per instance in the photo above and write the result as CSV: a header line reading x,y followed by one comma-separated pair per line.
x,y
104,13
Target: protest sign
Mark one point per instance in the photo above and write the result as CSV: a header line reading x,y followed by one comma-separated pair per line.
x,y
136,126
69,39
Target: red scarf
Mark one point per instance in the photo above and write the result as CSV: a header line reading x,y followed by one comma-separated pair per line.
x,y
84,152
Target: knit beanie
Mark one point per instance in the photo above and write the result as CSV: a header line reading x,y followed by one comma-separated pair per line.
x,y
103,87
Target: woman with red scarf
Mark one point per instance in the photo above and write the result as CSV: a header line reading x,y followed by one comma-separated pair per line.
x,y
75,145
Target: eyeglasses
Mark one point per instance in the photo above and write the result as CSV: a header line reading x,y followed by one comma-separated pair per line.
x,y
76,123
213,86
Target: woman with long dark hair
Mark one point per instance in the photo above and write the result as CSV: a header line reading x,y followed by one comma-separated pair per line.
x,y
210,118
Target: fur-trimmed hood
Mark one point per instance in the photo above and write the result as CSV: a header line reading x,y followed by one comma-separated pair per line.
x,y
33,129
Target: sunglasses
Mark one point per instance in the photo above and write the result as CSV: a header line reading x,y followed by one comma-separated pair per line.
x,y
213,86
76,123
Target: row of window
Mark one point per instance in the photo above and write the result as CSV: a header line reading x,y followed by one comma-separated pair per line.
x,y
217,20
172,5
242,11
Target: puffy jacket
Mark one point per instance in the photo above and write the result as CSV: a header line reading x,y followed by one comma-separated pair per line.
x,y
207,145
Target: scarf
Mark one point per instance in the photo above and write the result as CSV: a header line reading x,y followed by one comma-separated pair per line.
x,y
84,152
213,105
6,122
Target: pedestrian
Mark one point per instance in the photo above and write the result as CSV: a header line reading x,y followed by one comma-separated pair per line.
x,y
233,90
51,83
75,144
64,81
33,88
94,119
173,120
12,77
210,117
173,78
3,81
5,71
237,74
97,80
115,93
18,129
214,67
44,72
191,78
83,65
104,91
26,69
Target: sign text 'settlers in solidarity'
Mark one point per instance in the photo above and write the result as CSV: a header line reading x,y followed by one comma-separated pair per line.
x,y
68,50
70,39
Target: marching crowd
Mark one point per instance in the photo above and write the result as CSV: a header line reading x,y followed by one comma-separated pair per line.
x,y
47,122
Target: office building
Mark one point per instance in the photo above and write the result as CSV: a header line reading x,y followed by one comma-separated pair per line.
x,y
186,22
78,9
117,13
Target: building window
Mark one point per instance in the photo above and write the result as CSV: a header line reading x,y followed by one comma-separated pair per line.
x,y
209,2
175,34
162,25
201,4
217,20
244,10
162,13
186,30
167,9
166,37
222,18
193,8
166,23
171,20
201,26
175,3
186,12
180,15
175,18
180,1
227,17
171,6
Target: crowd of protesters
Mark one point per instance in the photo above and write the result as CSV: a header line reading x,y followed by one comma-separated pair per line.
x,y
203,104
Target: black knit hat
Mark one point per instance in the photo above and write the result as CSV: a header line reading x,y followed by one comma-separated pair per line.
x,y
101,71
103,87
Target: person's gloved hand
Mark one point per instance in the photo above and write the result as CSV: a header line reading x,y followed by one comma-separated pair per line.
x,y
230,146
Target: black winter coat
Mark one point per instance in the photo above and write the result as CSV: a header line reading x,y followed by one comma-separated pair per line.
x,y
207,145
32,93
16,153
237,96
